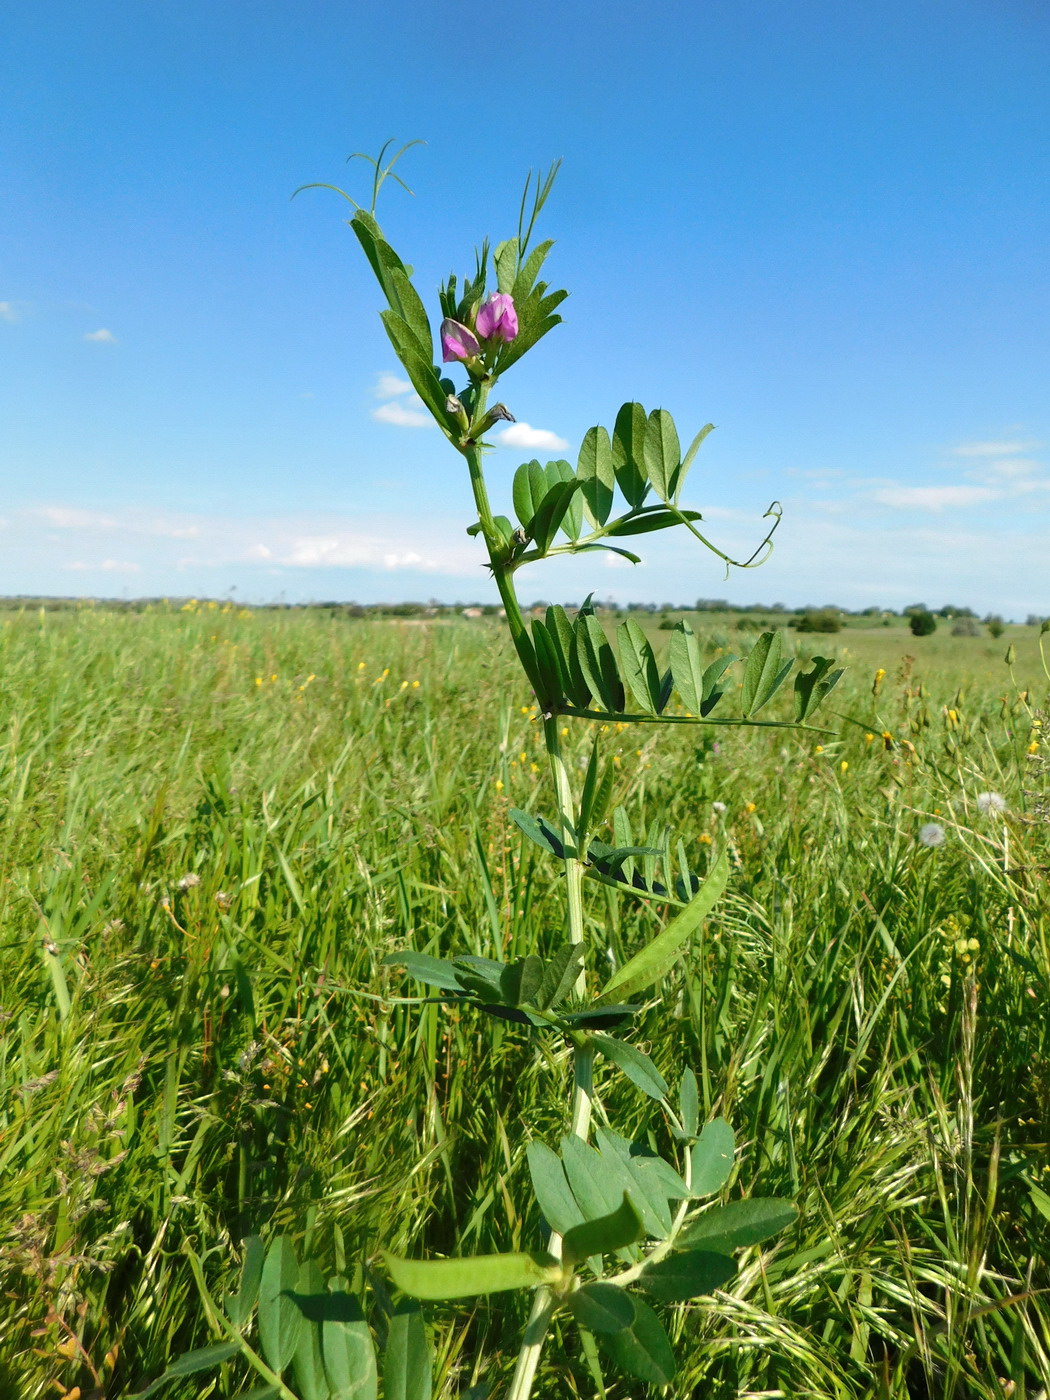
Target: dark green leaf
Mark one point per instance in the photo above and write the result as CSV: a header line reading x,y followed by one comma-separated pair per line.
x,y
689,1103
763,672
545,523
530,269
203,1359
683,655
572,521
560,973
628,453
725,1228
595,472
435,972
505,260
597,662
551,1186
685,1275
644,1190
710,694
610,549
561,632
678,480
642,1349
469,1278
638,665
600,1018
637,1065
526,500
662,451
596,1184
520,980
712,1158
280,1320
657,958
349,1355
539,831
654,518
241,1305
812,686
602,1307
407,1360
553,677
607,1233
659,1175
308,1362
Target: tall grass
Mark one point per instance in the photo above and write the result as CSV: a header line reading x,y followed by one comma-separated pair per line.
x,y
215,825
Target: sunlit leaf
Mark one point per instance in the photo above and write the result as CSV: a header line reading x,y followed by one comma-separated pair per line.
x,y
738,1224
712,1158
689,1274
407,1360
469,1278
602,1307
658,957
607,1233
642,1348
637,1065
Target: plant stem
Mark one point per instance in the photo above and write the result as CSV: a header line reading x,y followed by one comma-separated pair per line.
x,y
567,813
544,1302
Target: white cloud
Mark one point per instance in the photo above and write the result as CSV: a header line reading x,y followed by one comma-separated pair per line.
x,y
101,337
992,449
73,518
388,386
8,312
932,497
402,416
109,566
524,435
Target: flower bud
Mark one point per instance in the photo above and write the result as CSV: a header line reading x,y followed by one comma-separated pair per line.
x,y
455,407
457,342
498,413
497,319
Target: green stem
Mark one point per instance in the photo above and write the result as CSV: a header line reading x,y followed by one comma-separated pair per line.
x,y
572,838
544,1302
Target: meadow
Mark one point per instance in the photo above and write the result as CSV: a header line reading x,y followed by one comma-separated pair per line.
x,y
217,823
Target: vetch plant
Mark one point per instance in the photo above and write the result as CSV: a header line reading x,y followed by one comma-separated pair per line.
x,y
626,1229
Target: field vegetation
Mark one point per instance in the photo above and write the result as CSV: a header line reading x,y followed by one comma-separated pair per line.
x,y
217,823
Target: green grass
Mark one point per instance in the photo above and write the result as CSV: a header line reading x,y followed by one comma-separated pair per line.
x,y
215,826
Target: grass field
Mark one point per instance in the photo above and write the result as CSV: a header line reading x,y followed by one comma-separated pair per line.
x,y
215,826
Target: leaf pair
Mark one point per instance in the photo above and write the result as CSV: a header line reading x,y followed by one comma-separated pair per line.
x,y
313,1327
527,990
580,673
547,499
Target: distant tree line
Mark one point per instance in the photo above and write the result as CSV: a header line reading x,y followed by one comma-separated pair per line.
x,y
826,617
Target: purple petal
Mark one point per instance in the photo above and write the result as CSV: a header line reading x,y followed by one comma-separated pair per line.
x,y
497,319
457,342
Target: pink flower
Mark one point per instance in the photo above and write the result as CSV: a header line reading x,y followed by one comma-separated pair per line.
x,y
457,342
497,318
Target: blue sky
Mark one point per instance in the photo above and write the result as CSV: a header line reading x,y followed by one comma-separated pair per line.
x,y
823,226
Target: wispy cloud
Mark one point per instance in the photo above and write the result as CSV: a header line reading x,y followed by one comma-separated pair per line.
x,y
107,566
525,435
73,518
402,415
932,497
101,337
993,449
389,386
8,312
